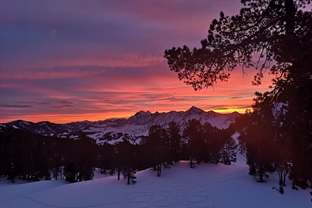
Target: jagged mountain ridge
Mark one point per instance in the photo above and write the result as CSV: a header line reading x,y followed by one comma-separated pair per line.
x,y
44,128
139,124
118,129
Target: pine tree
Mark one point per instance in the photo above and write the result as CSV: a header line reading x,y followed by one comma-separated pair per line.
x,y
173,132
272,36
129,175
156,148
228,152
126,157
71,173
213,143
261,147
196,143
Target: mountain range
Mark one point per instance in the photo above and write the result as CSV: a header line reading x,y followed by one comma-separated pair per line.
x,y
117,129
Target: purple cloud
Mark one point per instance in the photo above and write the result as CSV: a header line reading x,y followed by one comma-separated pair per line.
x,y
96,59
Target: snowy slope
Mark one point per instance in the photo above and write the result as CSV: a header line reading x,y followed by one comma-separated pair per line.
x,y
205,186
46,128
115,130
139,124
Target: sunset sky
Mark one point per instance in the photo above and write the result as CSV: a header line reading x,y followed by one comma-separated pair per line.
x,y
65,61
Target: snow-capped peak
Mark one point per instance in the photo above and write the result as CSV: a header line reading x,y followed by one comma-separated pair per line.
x,y
195,110
142,113
112,130
141,117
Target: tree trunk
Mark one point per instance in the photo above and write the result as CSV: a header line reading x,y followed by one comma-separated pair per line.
x,y
129,177
158,170
191,162
284,177
261,174
280,175
118,173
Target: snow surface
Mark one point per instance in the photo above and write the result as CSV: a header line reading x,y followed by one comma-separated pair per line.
x,y
139,124
205,186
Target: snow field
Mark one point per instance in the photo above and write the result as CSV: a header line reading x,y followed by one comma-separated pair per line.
x,y
205,186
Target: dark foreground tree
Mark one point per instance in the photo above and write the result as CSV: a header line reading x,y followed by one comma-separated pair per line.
x,y
195,141
269,35
273,35
80,159
128,174
125,160
156,148
261,148
174,135
228,152
212,137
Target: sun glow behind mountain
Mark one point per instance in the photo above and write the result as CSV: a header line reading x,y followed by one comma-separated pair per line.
x,y
121,101
109,65
229,110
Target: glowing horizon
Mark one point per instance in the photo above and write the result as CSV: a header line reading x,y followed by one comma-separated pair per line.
x,y
74,118
74,61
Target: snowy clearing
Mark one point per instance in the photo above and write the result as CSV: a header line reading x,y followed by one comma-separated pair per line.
x,y
205,186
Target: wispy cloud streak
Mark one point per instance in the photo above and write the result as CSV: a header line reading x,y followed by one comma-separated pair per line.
x,y
80,60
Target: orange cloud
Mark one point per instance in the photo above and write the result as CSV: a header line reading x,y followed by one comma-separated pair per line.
x,y
105,59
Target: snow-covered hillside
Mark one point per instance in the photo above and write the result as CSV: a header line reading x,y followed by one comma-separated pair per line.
x,y
116,129
138,125
205,186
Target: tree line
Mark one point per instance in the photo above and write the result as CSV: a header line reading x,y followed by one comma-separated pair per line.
x,y
264,139
33,157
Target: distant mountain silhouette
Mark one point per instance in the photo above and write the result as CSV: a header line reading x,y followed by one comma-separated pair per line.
x,y
116,129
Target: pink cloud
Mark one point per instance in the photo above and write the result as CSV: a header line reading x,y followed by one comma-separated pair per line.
x,y
78,60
